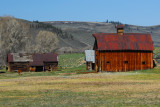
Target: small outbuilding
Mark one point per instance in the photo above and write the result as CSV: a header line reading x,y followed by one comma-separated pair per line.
x,y
44,62
90,59
32,62
123,51
19,61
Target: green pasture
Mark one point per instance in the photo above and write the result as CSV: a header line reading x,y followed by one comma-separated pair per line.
x,y
68,87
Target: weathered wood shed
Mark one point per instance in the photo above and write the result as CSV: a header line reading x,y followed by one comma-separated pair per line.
x,y
123,51
90,59
32,62
19,61
44,62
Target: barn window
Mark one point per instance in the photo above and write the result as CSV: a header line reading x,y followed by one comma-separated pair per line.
x,y
143,62
108,62
126,62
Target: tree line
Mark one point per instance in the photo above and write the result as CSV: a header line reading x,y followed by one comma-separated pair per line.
x,y
114,22
49,27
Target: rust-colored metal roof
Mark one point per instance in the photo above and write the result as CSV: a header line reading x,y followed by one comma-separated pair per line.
x,y
39,59
10,57
128,41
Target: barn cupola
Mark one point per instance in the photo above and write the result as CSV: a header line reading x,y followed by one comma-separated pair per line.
x,y
120,29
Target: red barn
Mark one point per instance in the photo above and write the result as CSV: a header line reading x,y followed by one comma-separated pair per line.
x,y
123,51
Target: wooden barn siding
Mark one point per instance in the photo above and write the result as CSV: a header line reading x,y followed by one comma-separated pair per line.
x,y
14,66
88,65
117,59
53,65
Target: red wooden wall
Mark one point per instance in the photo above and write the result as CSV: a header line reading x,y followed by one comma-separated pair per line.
x,y
123,61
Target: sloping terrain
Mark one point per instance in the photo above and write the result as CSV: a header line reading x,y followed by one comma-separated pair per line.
x,y
18,35
83,31
22,36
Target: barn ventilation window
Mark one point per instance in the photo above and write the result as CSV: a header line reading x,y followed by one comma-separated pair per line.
x,y
108,62
143,62
126,62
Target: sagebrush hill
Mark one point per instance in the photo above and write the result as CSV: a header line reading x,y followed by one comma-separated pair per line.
x,y
82,31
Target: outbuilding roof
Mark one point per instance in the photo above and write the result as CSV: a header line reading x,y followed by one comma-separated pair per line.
x,y
39,59
128,41
90,56
33,59
19,57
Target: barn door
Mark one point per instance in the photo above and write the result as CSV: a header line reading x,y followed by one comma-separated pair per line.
x,y
96,62
101,66
90,66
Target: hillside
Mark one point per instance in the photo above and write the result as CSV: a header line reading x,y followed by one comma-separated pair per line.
x,y
83,31
18,35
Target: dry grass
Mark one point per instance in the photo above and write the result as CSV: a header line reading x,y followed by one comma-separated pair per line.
x,y
71,60
103,89
66,87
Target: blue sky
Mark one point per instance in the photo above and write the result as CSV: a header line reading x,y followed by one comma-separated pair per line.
x,y
135,12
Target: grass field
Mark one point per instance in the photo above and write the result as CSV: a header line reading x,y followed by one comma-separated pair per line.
x,y
67,87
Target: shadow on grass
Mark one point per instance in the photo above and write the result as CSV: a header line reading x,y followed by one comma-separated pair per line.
x,y
2,72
